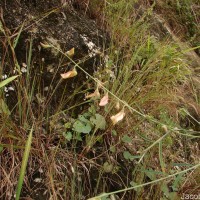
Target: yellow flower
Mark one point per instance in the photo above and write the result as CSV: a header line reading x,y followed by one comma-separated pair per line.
x,y
104,100
118,117
94,94
69,74
70,53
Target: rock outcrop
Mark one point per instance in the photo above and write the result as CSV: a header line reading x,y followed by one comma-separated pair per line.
x,y
39,23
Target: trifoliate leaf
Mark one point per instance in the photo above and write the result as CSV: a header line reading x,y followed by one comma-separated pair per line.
x,y
68,135
99,121
126,139
82,127
128,156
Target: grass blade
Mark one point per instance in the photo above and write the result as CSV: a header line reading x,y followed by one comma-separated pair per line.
x,y
24,164
18,35
8,80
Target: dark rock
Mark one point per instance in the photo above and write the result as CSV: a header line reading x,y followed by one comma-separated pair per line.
x,y
50,22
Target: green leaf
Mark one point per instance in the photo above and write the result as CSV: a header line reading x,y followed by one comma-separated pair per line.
x,y
83,118
8,80
99,121
128,156
114,132
112,149
67,125
126,139
132,183
86,115
68,136
82,127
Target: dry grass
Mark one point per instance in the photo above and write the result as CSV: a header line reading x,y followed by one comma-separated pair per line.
x,y
145,75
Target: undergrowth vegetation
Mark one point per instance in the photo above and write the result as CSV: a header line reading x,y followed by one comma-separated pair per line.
x,y
130,131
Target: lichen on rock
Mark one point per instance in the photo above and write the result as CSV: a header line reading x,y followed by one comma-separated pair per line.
x,y
50,23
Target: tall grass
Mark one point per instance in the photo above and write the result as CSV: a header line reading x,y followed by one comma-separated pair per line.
x,y
142,73
24,164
